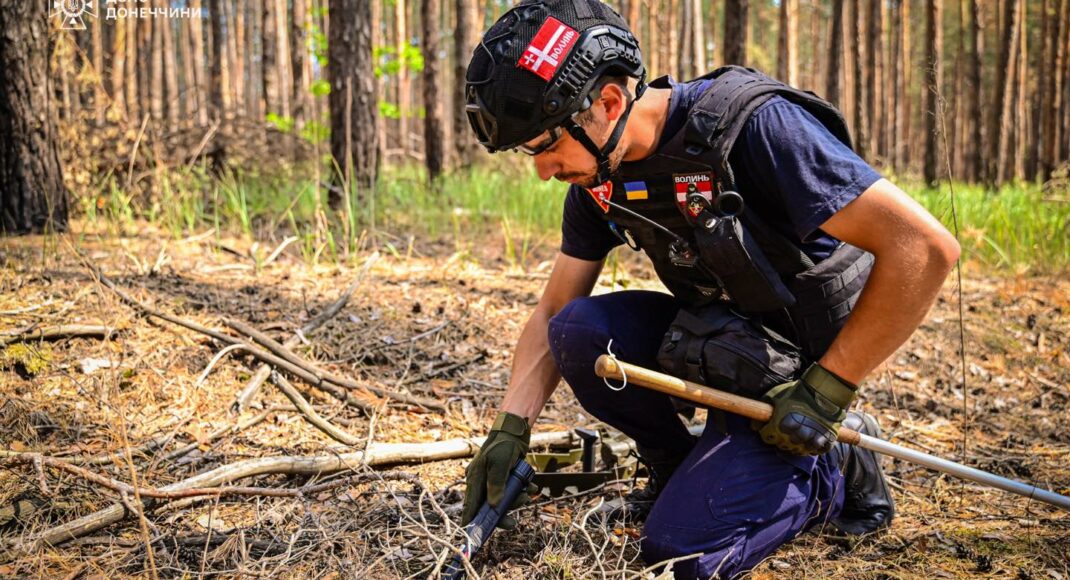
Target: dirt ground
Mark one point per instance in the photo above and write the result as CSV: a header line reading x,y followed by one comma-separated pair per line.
x,y
440,324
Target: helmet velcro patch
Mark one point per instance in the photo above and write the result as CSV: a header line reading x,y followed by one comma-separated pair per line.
x,y
548,49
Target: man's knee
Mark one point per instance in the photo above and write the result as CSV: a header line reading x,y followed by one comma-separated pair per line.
x,y
576,332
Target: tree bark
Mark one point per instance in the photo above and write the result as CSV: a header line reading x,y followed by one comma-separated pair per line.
x,y
200,80
1023,132
156,80
835,55
354,139
1003,120
404,88
735,32
219,110
469,27
272,100
283,59
904,125
133,107
33,197
100,97
933,79
118,67
862,80
874,76
698,39
434,128
1057,102
976,164
674,39
236,53
787,51
302,69
170,70
895,93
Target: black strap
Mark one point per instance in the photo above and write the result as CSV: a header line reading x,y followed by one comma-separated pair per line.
x,y
601,155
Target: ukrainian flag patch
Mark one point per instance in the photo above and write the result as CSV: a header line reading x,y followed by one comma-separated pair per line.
x,y
635,190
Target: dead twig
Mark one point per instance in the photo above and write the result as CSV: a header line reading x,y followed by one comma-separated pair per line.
x,y
311,415
58,332
261,374
321,375
379,454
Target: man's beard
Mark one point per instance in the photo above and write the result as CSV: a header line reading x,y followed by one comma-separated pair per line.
x,y
590,180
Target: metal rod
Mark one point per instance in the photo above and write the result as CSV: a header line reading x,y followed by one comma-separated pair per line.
x,y
611,368
963,471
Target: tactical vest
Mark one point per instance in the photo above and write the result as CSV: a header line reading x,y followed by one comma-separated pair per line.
x,y
665,205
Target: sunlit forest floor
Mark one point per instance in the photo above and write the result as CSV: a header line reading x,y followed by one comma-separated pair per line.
x,y
149,405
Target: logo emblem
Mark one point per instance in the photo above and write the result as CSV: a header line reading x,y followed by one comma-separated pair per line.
x,y
635,190
72,11
601,195
548,49
689,183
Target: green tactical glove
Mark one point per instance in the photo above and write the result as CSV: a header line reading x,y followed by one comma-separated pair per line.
x,y
488,473
807,413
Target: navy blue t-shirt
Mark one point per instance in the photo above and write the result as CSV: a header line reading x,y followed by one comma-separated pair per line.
x,y
790,169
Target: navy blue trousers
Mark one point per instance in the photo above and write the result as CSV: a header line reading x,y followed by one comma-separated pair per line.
x,y
735,499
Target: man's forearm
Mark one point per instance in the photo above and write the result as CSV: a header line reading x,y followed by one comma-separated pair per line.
x,y
534,376
899,293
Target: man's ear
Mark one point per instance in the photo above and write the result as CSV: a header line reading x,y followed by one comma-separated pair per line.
x,y
613,100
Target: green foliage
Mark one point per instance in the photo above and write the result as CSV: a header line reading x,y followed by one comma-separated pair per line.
x,y
389,110
283,123
27,359
316,132
1017,228
387,63
320,88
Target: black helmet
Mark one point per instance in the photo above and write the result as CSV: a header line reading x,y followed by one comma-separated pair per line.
x,y
537,66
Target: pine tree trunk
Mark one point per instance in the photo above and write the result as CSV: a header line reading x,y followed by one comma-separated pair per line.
x,y
1006,82
269,43
255,104
33,198
200,78
735,32
133,106
219,109
787,56
1062,138
354,140
904,127
156,86
236,49
698,39
118,67
404,88
977,158
1056,104
283,64
188,92
434,138
835,55
863,79
302,71
170,71
469,27
100,98
874,73
933,79
653,40
1023,130
674,39
894,92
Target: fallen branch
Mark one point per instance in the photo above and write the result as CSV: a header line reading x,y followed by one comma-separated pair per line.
x,y
377,454
58,332
313,417
261,374
322,375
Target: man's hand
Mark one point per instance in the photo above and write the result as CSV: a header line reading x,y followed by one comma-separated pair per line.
x,y
488,473
807,413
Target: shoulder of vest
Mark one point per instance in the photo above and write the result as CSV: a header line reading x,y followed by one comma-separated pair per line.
x,y
719,114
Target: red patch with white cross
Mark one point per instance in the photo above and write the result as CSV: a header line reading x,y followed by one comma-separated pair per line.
x,y
688,183
548,49
601,195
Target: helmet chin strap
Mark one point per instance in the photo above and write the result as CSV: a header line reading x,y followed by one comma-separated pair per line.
x,y
602,155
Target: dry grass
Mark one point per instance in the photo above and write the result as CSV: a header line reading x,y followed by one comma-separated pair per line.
x,y
1016,398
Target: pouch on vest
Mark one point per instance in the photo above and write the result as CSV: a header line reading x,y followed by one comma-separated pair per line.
x,y
718,348
727,248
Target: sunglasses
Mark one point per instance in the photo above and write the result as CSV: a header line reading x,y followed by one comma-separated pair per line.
x,y
555,134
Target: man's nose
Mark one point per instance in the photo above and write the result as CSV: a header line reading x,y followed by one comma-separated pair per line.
x,y
546,167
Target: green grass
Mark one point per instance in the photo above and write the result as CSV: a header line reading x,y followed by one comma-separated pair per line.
x,y
1018,229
